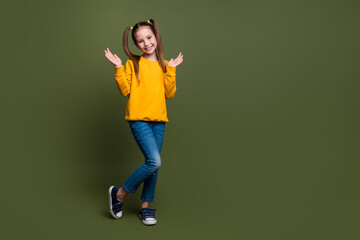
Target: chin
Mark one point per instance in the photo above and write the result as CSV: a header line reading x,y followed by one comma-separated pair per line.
x,y
149,53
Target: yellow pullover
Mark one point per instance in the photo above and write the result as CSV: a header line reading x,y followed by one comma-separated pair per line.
x,y
146,100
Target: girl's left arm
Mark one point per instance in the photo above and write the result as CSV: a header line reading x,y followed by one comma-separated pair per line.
x,y
170,76
170,82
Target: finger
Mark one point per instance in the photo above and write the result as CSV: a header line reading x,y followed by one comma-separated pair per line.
x,y
180,61
110,57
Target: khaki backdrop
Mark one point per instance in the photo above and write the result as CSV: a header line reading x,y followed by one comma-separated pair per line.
x,y
263,138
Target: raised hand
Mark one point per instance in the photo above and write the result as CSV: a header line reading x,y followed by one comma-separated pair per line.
x,y
177,61
113,58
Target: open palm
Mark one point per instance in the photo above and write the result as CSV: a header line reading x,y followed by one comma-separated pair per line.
x,y
176,62
113,58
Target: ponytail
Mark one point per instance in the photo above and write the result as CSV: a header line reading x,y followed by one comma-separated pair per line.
x,y
159,49
134,58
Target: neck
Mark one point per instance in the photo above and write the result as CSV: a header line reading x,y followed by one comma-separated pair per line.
x,y
151,57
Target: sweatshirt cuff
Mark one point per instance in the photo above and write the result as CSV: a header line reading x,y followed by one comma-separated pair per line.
x,y
118,69
170,69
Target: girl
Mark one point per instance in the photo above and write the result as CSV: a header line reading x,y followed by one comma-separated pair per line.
x,y
148,79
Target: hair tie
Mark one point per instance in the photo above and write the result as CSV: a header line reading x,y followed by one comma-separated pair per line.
x,y
149,21
131,28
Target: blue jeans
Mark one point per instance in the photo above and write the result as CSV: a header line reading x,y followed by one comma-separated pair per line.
x,y
149,137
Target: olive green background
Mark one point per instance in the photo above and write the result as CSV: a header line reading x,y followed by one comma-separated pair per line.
x,y
263,138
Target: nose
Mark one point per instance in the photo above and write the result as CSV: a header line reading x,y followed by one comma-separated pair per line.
x,y
146,42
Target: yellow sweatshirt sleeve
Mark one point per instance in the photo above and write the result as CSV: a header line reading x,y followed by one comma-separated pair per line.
x,y
123,77
170,82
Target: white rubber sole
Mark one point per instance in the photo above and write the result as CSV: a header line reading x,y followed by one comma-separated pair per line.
x,y
119,214
148,222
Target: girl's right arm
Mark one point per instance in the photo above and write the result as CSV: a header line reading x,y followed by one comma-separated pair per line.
x,y
122,74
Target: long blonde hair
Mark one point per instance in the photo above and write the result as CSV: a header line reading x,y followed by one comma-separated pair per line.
x,y
135,58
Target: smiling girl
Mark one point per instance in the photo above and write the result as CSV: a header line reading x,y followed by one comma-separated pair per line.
x,y
148,80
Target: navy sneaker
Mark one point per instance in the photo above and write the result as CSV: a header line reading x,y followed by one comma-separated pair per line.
x,y
115,204
147,216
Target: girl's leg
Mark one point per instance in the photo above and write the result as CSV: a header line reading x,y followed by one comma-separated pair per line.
x,y
148,191
121,194
145,139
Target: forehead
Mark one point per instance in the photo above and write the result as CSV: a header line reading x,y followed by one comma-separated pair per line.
x,y
143,32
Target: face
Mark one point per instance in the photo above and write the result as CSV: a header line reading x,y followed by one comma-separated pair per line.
x,y
145,40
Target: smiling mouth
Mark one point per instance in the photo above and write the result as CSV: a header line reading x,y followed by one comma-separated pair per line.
x,y
147,49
